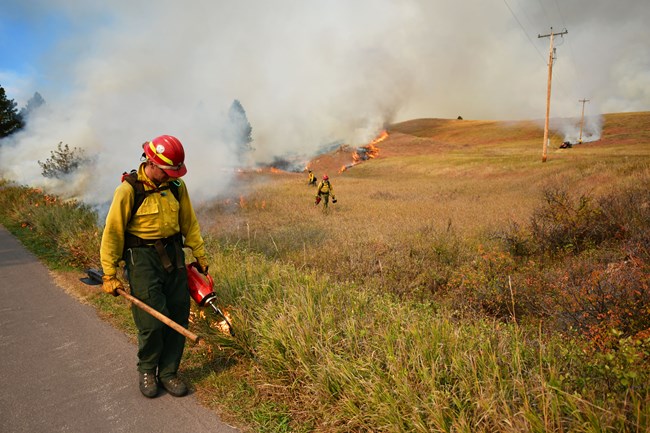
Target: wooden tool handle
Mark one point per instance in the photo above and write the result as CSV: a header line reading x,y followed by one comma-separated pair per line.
x,y
158,315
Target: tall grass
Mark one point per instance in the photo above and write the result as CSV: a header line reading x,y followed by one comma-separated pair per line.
x,y
343,358
64,232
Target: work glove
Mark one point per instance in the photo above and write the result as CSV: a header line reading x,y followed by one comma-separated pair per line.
x,y
203,264
333,200
111,284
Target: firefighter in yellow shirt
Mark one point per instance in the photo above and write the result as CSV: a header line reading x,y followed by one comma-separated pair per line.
x,y
312,179
149,222
324,191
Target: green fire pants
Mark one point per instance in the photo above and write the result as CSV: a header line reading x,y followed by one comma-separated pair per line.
x,y
159,347
325,196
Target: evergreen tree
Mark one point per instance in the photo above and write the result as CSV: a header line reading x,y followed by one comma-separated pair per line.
x,y
63,161
240,130
33,103
10,119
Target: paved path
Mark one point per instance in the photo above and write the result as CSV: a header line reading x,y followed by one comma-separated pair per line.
x,y
62,369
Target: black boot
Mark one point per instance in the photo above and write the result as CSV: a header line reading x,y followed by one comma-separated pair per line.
x,y
148,384
174,385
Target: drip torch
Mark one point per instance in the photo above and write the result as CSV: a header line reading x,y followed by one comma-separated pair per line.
x,y
201,290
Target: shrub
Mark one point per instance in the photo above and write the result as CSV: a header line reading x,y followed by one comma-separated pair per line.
x,y
595,297
517,240
628,210
569,225
621,366
484,284
63,161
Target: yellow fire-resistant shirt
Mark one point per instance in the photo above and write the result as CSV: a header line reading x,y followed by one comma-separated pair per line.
x,y
159,216
325,187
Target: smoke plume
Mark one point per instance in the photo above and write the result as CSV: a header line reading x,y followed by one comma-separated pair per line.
x,y
309,74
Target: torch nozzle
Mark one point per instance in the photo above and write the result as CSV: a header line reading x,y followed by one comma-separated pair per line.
x,y
220,313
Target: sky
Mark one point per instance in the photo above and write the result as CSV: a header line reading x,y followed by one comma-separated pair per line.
x,y
308,73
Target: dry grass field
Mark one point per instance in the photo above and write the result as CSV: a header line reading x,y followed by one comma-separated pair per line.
x,y
432,179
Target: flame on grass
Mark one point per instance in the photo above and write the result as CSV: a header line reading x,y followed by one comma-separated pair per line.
x,y
222,325
366,152
219,325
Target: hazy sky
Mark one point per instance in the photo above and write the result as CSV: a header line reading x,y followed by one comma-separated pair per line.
x,y
307,72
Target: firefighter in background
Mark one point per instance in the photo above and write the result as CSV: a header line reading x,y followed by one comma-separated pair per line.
x,y
324,191
312,179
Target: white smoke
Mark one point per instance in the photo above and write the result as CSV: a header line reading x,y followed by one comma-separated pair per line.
x,y
309,74
579,130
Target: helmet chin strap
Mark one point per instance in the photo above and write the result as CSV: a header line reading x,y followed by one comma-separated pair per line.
x,y
148,171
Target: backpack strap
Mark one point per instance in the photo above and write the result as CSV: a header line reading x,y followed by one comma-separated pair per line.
x,y
133,241
141,193
138,189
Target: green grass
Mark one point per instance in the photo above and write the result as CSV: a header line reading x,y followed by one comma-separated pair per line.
x,y
341,358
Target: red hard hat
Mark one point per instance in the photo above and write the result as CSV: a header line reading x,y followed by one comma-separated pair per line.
x,y
167,153
325,177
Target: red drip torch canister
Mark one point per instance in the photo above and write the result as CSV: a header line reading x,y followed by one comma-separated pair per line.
x,y
201,291
200,285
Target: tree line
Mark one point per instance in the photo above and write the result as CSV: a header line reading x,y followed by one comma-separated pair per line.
x,y
13,120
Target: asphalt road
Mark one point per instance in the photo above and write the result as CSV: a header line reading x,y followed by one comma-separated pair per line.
x,y
62,369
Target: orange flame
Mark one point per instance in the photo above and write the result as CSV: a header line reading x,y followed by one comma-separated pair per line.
x,y
370,151
381,137
222,326
242,202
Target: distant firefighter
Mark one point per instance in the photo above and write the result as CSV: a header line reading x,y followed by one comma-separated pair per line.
x,y
312,179
324,191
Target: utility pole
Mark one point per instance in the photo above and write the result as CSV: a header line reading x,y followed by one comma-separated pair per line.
x,y
582,118
548,87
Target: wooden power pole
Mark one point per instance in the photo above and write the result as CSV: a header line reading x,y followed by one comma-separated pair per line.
x,y
582,118
548,87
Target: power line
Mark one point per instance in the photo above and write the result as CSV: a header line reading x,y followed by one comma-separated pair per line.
x,y
524,30
526,15
548,18
559,11
572,54
552,58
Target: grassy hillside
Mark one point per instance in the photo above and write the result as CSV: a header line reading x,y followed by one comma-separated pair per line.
x,y
459,284
464,216
433,179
